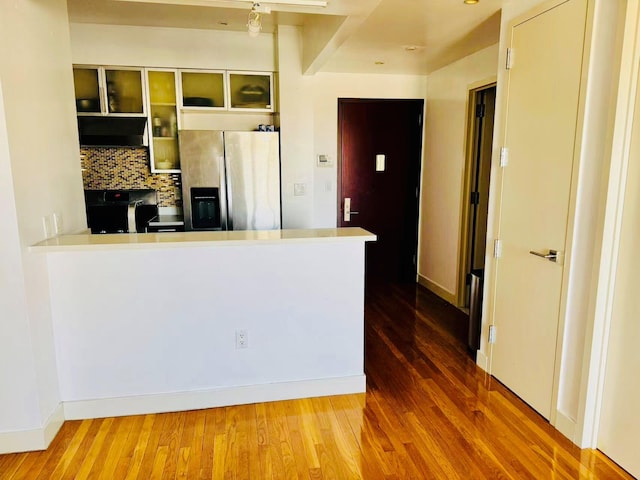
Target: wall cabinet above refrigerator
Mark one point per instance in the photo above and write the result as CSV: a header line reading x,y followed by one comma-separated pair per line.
x,y
250,91
203,90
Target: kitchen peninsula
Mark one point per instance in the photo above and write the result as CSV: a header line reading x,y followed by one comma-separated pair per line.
x,y
175,321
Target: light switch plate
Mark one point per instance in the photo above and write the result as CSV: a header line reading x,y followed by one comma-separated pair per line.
x,y
380,163
299,189
324,160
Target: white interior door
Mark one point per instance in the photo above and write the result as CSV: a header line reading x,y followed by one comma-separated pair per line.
x,y
542,113
619,431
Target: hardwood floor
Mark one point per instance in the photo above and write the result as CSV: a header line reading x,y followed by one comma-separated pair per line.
x,y
428,413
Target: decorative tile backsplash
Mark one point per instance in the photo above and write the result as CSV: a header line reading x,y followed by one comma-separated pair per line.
x,y
127,168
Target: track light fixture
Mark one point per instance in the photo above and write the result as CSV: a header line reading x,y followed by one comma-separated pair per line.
x,y
254,23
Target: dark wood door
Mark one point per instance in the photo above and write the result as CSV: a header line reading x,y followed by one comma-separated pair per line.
x,y
382,190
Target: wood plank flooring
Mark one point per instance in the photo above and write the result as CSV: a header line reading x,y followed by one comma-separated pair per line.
x,y
428,413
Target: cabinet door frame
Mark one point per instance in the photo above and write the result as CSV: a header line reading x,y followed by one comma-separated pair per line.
x,y
149,132
102,90
143,86
230,106
188,108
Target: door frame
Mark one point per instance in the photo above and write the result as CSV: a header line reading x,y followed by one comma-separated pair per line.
x,y
599,294
494,227
464,256
599,326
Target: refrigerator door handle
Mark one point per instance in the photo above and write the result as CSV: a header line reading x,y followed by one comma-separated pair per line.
x,y
224,198
228,184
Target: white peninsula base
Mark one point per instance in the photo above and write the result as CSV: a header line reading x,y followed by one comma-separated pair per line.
x,y
150,323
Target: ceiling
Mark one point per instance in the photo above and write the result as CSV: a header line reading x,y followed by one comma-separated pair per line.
x,y
350,36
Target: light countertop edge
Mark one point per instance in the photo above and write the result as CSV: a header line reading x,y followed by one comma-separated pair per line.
x,y
122,241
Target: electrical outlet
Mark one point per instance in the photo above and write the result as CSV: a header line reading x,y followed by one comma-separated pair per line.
x,y
242,339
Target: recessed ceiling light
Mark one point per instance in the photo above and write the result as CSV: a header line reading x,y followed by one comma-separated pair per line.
x,y
471,2
378,62
411,48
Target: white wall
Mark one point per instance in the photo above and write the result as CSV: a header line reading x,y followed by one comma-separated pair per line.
x,y
296,130
301,303
444,166
40,160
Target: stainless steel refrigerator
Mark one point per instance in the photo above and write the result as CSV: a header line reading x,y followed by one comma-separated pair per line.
x,y
230,180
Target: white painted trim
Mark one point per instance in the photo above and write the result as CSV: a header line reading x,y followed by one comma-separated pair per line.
x,y
53,425
36,439
482,361
180,401
438,289
565,425
594,363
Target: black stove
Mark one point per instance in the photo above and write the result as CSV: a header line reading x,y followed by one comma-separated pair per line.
x,y
120,211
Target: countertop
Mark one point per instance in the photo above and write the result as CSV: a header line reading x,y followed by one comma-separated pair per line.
x,y
120,241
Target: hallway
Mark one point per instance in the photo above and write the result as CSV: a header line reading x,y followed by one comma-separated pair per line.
x,y
428,413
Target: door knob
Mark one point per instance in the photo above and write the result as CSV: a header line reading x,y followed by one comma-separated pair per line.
x,y
552,256
347,210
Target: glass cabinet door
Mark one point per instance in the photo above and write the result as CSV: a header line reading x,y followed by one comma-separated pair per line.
x,y
86,82
163,121
124,91
202,89
250,91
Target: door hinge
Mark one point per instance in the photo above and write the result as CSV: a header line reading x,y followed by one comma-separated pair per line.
x,y
480,111
504,156
492,334
510,56
414,259
497,248
475,198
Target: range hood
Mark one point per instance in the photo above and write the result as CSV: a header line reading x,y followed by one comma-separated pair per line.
x,y
111,131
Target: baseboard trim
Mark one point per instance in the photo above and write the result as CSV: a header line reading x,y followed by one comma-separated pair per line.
x,y
438,290
36,439
174,402
482,361
565,425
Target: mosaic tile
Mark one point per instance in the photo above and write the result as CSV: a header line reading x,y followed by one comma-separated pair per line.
x,y
127,168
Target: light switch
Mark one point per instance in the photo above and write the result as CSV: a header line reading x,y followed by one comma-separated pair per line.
x,y
324,160
380,160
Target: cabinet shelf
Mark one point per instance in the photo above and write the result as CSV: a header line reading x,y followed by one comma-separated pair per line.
x,y
162,104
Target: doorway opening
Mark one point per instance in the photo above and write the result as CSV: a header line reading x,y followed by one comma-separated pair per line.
x,y
481,117
379,159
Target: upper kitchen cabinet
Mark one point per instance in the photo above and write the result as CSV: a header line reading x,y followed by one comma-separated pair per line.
x,y
163,120
86,82
124,91
250,91
203,90
108,91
